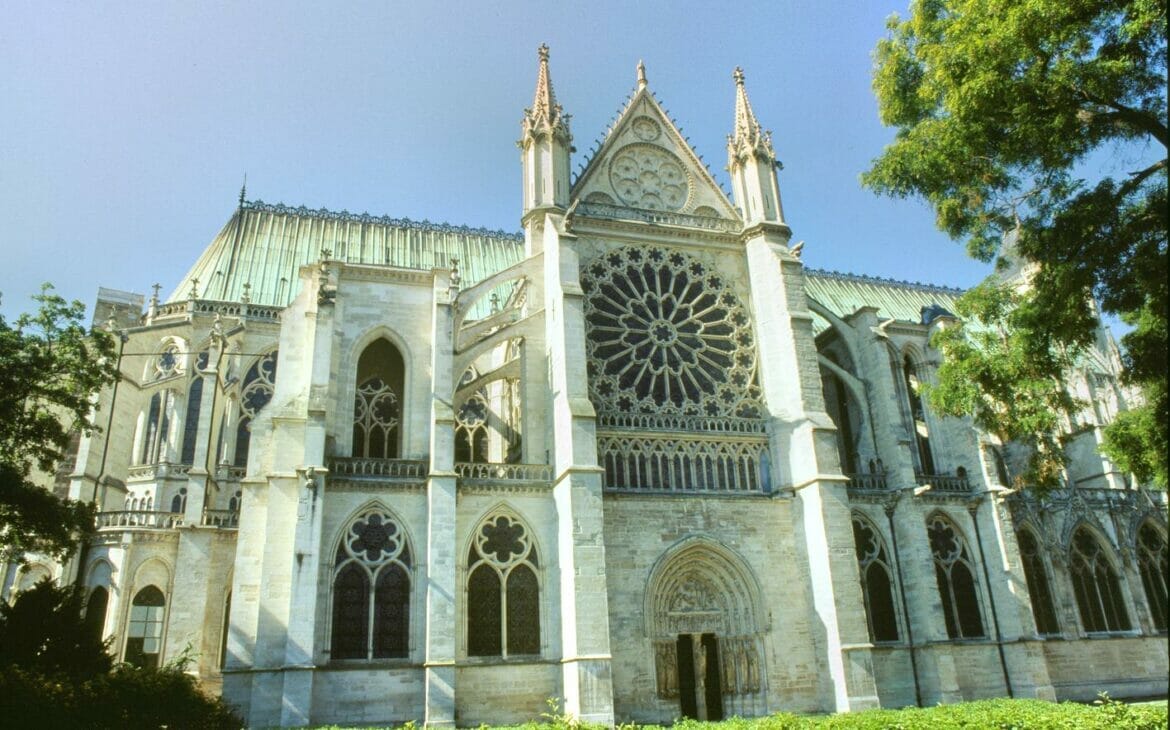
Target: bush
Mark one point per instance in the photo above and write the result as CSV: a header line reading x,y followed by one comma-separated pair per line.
x,y
127,697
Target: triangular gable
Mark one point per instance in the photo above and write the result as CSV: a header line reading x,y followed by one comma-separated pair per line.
x,y
645,163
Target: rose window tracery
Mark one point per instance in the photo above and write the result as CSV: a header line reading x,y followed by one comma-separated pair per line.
x,y
666,335
649,177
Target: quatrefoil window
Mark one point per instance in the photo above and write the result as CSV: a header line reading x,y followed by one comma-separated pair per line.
x,y
667,335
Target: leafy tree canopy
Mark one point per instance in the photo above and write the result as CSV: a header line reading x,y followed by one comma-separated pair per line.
x,y
51,366
1042,123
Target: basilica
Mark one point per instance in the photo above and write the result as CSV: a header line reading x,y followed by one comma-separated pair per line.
x,y
636,458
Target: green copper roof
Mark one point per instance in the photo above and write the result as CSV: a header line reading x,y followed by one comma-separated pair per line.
x,y
264,246
844,294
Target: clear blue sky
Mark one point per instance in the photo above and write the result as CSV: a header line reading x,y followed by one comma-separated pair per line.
x,y
126,130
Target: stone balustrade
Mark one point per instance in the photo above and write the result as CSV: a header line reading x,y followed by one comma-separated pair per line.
x,y
504,472
138,519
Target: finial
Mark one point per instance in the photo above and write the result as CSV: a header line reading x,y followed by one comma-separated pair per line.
x,y
641,75
154,297
243,190
246,296
545,115
737,74
542,52
194,294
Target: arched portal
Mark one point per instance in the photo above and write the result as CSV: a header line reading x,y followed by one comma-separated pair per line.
x,y
704,619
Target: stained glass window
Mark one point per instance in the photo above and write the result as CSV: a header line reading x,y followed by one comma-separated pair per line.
x,y
876,581
1152,564
955,573
371,590
1039,587
1096,585
503,590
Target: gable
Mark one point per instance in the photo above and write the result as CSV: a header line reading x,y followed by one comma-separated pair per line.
x,y
646,164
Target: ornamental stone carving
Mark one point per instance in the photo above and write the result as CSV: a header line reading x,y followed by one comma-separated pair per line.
x,y
649,177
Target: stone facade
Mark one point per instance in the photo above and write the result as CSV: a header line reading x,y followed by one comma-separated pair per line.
x,y
638,459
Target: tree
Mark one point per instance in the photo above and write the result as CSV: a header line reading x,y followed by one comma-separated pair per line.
x,y
1012,119
43,631
51,366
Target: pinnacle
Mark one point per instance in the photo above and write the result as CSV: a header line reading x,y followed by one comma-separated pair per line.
x,y
545,115
748,135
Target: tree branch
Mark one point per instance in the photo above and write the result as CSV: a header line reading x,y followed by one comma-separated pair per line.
x,y
1134,117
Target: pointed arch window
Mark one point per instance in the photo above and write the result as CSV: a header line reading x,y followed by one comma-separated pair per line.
x,y
256,391
877,587
145,628
1039,587
1096,585
157,428
95,612
924,458
487,422
503,590
377,408
955,572
194,403
1152,554
371,590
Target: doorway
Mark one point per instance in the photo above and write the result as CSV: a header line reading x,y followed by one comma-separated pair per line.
x,y
700,683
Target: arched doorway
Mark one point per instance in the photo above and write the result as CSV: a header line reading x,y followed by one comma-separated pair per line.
x,y
704,619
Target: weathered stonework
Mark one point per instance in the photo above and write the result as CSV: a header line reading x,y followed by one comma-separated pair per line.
x,y
619,461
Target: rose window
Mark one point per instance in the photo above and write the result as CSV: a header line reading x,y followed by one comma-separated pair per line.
x,y
667,335
649,177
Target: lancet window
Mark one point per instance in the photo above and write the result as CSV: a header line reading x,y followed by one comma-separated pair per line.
x,y
258,386
1096,585
1152,565
371,589
877,586
503,590
194,403
1039,587
95,612
923,457
157,428
955,572
145,628
377,408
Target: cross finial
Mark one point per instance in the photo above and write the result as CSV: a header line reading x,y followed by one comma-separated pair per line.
x,y
243,189
194,294
155,287
542,52
737,74
641,75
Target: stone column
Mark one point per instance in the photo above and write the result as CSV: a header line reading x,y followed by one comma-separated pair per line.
x,y
803,443
587,682
441,618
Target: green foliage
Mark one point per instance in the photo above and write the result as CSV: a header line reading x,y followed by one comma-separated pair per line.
x,y
127,698
1105,714
55,673
1004,110
51,366
1007,377
43,632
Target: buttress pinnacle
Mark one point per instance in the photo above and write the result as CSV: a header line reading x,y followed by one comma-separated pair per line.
x,y
545,116
748,137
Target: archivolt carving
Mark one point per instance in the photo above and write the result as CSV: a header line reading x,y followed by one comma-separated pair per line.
x,y
702,588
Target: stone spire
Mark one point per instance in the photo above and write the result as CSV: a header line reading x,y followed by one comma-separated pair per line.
x,y
749,138
545,116
545,144
751,160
